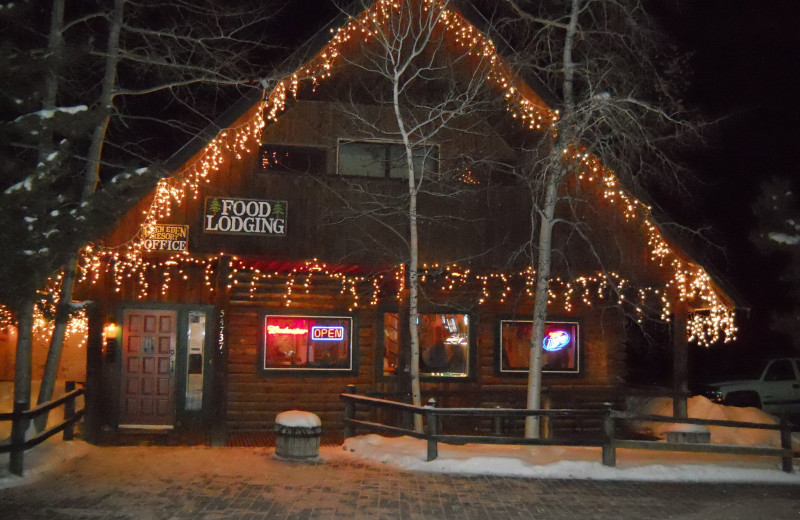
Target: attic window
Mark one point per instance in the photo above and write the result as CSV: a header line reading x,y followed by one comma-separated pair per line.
x,y
283,158
384,160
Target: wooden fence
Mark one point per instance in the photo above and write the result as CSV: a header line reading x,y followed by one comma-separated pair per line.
x,y
21,418
609,442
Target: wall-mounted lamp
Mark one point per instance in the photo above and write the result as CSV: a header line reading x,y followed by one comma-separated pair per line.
x,y
109,341
110,331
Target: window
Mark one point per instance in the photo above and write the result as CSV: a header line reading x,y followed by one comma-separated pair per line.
x,y
382,160
308,343
195,339
444,344
561,346
282,158
781,370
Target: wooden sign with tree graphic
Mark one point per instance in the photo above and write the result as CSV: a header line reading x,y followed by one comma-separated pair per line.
x,y
235,216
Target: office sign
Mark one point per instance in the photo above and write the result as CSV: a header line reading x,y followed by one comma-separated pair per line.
x,y
166,237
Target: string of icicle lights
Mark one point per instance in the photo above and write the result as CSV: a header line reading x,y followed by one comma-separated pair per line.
x,y
688,281
77,326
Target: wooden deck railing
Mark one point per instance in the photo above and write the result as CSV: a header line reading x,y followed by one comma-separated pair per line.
x,y
609,441
614,417
21,418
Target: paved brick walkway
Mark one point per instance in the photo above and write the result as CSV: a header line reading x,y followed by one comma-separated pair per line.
x,y
142,483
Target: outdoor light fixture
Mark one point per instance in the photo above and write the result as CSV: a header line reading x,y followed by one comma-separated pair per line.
x,y
110,331
109,341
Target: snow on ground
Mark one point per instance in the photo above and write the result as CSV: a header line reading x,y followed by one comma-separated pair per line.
x,y
700,407
585,462
568,462
471,459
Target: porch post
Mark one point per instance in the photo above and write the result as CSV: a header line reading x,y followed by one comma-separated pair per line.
x,y
680,360
93,386
218,428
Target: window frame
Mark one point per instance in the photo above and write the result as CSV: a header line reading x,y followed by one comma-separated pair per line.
x,y
261,360
576,372
386,160
472,347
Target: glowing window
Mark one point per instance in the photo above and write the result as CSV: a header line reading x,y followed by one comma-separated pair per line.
x,y
560,346
307,343
444,344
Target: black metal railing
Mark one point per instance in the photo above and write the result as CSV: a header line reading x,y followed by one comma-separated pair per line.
x,y
21,418
608,440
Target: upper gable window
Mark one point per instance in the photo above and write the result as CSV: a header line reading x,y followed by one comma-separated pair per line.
x,y
284,158
384,160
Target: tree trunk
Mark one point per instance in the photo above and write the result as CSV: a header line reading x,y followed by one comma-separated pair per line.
x,y
413,263
55,48
57,339
540,304
547,220
105,102
91,177
22,370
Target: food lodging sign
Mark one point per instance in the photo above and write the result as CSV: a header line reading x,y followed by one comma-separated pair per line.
x,y
255,217
166,237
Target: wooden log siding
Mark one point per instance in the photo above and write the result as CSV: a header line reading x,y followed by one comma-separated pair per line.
x,y
255,398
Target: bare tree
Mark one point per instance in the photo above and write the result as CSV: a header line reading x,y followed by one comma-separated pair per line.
x,y
139,62
606,63
412,83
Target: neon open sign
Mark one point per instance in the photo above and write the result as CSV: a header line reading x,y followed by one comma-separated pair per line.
x,y
556,340
330,333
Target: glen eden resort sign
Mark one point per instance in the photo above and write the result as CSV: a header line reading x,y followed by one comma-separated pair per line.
x,y
254,217
166,237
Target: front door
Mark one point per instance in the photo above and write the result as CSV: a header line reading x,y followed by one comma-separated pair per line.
x,y
148,368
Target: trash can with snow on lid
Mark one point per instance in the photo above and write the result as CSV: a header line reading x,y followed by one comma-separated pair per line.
x,y
297,434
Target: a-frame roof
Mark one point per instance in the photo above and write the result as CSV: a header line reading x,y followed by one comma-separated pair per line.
x,y
313,61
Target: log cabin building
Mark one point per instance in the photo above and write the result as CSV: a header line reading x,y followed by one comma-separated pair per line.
x,y
268,270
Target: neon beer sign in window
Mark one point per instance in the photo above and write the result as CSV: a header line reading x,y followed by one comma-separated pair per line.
x,y
560,345
330,333
555,340
307,343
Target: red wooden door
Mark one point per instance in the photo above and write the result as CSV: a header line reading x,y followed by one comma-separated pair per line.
x,y
148,368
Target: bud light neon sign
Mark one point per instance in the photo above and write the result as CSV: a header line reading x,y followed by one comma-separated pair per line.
x,y
556,340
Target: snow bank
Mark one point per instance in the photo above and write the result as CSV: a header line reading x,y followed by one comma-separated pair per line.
x,y
700,407
41,460
559,462
297,419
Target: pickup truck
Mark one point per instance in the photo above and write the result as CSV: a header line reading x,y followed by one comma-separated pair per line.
x,y
775,388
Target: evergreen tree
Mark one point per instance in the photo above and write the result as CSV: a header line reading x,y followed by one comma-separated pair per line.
x,y
777,212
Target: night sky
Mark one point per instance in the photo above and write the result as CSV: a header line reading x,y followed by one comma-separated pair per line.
x,y
746,71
